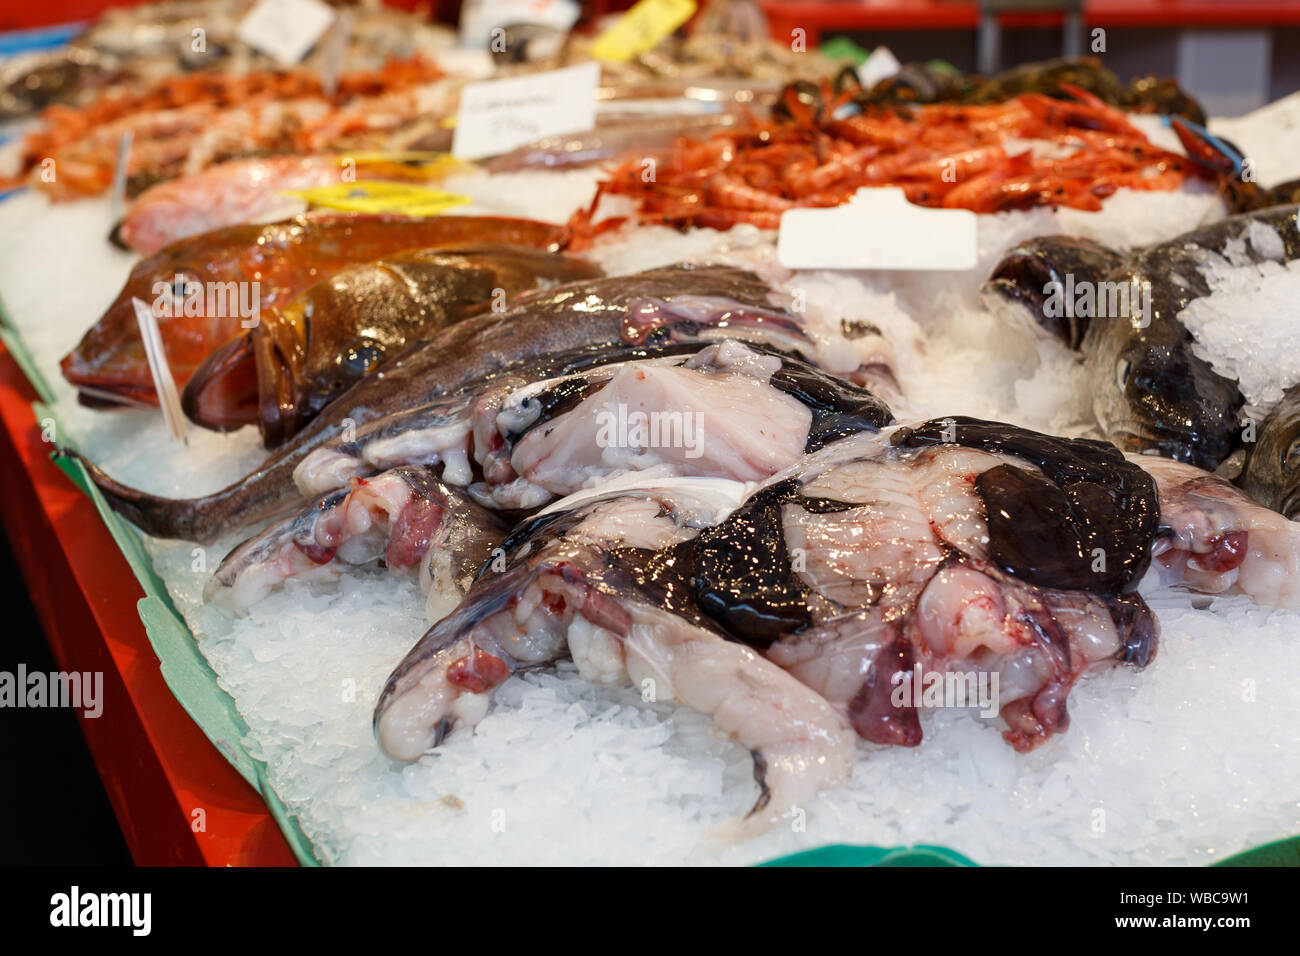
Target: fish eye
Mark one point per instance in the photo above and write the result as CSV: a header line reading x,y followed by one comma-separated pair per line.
x,y
179,286
1122,368
1290,459
361,358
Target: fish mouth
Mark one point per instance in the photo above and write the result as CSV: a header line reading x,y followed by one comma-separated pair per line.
x,y
1021,279
103,386
222,392
1152,439
248,381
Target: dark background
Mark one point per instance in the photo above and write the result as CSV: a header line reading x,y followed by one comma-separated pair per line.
x,y
53,809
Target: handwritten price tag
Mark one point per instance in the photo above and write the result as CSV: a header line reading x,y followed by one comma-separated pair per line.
x,y
285,29
641,29
500,115
878,229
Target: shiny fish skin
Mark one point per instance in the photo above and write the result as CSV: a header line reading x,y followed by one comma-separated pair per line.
x,y
1152,393
298,358
1272,472
877,550
281,258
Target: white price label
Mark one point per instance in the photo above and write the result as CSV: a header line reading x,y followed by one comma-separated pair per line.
x,y
881,65
285,29
878,229
478,18
497,116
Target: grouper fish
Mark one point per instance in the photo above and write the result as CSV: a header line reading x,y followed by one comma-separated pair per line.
x,y
298,358
210,288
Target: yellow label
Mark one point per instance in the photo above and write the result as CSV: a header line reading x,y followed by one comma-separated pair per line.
x,y
641,29
428,157
406,166
404,199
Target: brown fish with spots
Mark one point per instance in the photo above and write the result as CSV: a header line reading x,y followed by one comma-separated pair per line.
x,y
199,287
297,359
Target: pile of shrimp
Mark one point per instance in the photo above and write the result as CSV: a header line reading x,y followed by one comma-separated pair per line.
x,y
175,121
958,157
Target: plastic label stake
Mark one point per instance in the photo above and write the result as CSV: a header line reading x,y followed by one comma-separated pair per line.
x,y
117,198
164,383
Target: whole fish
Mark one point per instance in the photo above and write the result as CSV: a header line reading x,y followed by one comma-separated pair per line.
x,y
300,357
207,289
245,191
952,546
574,326
1152,392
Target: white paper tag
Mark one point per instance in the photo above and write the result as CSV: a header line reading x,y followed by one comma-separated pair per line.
x,y
285,29
500,115
878,229
479,17
878,66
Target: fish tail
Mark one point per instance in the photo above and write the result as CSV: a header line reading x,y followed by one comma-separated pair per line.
x,y
200,519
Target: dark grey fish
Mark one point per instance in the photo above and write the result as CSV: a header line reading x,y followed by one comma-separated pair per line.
x,y
578,324
1153,394
1272,472
32,82
607,581
1026,274
845,571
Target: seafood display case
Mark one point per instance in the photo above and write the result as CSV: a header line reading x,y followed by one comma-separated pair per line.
x,y
736,451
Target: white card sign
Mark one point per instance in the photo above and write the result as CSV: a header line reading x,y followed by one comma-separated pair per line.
x,y
497,116
881,65
478,18
878,229
285,29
